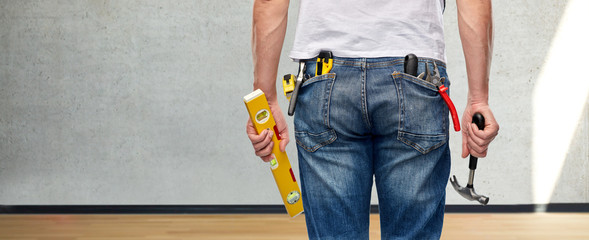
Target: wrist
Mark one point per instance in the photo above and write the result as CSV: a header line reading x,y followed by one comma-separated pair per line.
x,y
268,89
272,101
270,96
478,99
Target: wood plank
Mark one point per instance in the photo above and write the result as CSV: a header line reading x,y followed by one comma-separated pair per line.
x,y
274,226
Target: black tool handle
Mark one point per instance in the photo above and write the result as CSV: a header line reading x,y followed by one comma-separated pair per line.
x,y
293,98
410,64
479,120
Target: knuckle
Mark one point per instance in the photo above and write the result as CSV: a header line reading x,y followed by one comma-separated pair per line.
x,y
267,155
258,148
263,153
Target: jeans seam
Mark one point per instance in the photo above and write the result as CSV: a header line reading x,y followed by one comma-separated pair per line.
x,y
329,90
365,115
400,102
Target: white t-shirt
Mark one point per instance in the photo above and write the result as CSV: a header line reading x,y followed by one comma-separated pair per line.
x,y
375,28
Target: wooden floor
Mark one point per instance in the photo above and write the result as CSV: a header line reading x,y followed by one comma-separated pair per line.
x,y
274,226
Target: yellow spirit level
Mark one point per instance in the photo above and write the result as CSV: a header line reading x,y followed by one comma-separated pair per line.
x,y
262,118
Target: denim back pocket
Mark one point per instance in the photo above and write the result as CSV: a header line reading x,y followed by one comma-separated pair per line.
x,y
423,114
311,121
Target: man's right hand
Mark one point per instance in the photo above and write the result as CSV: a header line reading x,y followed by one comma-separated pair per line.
x,y
475,142
262,143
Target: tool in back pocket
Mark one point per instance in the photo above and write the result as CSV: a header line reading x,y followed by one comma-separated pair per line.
x,y
288,85
434,77
297,85
291,87
324,63
410,64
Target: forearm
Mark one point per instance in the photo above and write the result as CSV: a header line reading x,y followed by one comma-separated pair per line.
x,y
268,30
475,23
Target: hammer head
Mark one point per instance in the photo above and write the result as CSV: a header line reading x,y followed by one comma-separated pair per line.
x,y
468,192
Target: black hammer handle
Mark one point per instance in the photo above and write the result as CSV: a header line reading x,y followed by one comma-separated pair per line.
x,y
479,120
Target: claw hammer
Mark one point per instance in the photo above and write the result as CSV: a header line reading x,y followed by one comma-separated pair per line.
x,y
468,191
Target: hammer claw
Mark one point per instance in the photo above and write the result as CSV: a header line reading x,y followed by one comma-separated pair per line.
x,y
468,192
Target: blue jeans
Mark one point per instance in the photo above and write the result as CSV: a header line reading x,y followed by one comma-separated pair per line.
x,y
365,121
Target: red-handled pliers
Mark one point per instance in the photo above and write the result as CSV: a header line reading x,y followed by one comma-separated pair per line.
x,y
435,78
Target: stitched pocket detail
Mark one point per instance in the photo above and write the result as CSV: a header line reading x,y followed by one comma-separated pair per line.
x,y
312,130
312,142
423,115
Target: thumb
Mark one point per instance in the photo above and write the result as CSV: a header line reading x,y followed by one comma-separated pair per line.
x,y
284,141
283,144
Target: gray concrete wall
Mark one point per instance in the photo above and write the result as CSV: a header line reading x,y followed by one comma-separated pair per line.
x,y
140,102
